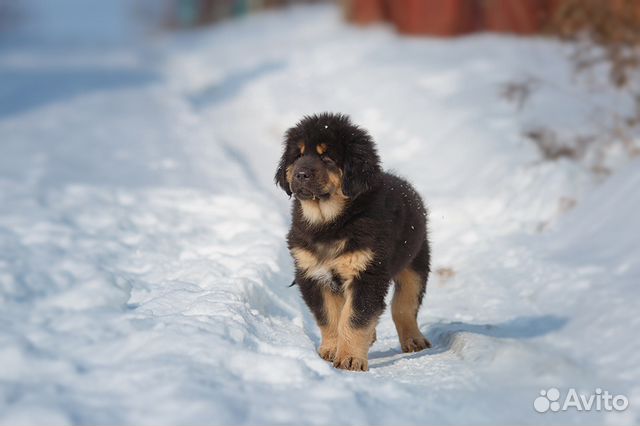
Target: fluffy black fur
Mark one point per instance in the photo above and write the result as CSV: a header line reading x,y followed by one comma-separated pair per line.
x,y
382,212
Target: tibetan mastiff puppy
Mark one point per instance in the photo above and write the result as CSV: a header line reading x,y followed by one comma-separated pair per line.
x,y
355,228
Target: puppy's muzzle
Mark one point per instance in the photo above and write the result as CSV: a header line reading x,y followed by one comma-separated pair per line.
x,y
309,179
304,175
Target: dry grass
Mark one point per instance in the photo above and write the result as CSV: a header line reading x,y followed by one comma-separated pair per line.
x,y
605,34
612,25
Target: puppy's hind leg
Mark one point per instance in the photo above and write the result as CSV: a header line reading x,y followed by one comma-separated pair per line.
x,y
410,285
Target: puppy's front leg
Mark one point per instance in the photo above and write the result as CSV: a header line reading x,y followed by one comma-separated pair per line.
x,y
326,307
333,304
357,326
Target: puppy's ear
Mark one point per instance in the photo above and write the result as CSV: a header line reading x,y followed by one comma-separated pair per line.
x,y
281,173
361,169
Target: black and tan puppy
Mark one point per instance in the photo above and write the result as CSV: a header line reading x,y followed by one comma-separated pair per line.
x,y
355,229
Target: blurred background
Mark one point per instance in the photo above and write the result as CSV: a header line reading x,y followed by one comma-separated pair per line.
x,y
599,34
609,21
144,271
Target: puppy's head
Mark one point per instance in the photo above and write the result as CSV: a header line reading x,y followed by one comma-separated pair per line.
x,y
325,156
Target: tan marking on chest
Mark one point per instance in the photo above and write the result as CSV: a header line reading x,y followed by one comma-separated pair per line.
x,y
318,212
350,265
328,260
330,250
312,266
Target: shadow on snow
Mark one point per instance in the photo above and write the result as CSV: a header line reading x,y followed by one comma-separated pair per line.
x,y
442,334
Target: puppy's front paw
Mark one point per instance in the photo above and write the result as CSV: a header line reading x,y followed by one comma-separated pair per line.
x,y
415,343
353,363
327,352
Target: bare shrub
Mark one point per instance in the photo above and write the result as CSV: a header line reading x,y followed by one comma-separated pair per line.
x,y
612,25
553,148
519,92
445,273
607,33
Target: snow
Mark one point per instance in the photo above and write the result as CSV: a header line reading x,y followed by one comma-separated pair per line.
x,y
143,267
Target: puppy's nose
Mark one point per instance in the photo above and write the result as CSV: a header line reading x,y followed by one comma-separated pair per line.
x,y
304,174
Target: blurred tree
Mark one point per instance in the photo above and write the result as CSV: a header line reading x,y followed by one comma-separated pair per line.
x,y
454,17
364,12
434,17
519,16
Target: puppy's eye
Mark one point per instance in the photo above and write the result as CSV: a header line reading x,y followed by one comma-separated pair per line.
x,y
326,159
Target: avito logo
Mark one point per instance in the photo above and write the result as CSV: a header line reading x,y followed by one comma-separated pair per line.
x,y
550,400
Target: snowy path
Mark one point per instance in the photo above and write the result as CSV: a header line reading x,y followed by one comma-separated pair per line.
x,y
143,269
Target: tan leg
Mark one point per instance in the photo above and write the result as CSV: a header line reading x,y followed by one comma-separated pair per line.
x,y
353,343
333,304
404,310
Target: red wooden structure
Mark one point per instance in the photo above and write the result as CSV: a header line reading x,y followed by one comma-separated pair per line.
x,y
454,17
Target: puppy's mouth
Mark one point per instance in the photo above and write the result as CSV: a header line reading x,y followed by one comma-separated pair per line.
x,y
306,194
